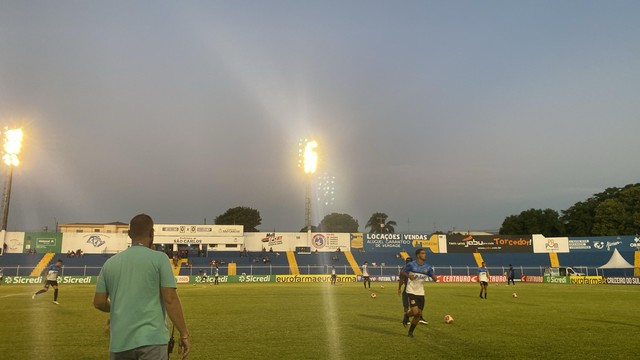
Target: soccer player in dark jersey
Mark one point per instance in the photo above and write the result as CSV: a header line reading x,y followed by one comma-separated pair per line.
x,y
511,276
52,272
416,272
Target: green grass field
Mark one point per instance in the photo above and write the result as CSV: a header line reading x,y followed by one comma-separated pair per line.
x,y
320,321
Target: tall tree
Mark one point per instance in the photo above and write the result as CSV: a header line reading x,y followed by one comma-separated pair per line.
x,y
610,218
378,223
615,211
341,223
241,215
533,221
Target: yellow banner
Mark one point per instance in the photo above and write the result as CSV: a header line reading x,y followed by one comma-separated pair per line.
x,y
587,280
314,278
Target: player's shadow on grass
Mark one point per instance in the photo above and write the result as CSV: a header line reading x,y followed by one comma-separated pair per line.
x,y
613,322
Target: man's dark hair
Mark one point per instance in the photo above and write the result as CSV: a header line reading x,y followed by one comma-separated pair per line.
x,y
408,260
140,225
58,260
419,250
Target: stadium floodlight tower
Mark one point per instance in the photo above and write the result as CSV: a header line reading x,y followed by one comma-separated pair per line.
x,y
12,144
308,160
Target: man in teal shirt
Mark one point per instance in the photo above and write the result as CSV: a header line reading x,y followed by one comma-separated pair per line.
x,y
136,286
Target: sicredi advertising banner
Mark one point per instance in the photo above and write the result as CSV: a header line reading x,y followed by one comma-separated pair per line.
x,y
95,243
458,243
556,280
39,280
543,244
605,243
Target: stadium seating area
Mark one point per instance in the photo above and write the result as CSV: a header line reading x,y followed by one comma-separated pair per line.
x,y
380,263
19,264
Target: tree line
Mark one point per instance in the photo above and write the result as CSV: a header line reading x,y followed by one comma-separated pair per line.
x,y
615,211
335,222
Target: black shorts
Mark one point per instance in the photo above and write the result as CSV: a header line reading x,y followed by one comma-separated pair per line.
x,y
366,278
51,282
416,300
333,276
484,283
405,299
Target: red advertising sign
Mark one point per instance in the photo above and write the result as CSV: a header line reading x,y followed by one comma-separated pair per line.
x,y
530,278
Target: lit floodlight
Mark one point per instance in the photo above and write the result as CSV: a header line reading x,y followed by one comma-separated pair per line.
x,y
12,146
310,157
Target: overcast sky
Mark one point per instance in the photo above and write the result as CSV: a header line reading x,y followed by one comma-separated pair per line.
x,y
438,113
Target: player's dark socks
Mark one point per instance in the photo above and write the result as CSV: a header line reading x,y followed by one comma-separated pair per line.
x,y
413,327
410,334
55,295
41,291
485,296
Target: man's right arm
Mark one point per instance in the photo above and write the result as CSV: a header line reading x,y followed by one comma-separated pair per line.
x,y
174,310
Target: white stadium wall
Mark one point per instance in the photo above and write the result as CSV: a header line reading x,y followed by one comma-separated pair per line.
x,y
278,241
95,243
14,241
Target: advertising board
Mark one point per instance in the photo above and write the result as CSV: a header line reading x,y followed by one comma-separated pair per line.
x,y
587,280
459,243
543,244
314,278
605,243
33,280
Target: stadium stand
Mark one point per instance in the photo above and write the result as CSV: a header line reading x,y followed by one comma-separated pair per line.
x,y
19,264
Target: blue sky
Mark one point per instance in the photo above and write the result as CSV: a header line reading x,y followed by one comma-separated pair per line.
x,y
438,113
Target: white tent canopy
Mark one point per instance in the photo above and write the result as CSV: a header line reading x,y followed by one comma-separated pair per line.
x,y
616,262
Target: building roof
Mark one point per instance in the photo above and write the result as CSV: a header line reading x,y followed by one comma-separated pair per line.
x,y
117,223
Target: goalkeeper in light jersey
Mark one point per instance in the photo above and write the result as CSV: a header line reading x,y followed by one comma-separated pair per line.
x,y
417,272
52,272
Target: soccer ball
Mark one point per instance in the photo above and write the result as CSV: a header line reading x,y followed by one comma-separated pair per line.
x,y
448,319
514,295
373,295
381,286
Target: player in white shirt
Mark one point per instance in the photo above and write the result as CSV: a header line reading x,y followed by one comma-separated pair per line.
x,y
483,279
417,272
365,275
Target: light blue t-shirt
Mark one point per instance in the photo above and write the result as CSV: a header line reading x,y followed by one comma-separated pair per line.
x,y
132,280
421,273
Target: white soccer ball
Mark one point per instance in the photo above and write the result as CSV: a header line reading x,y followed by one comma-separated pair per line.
x,y
448,319
514,295
381,286
373,295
